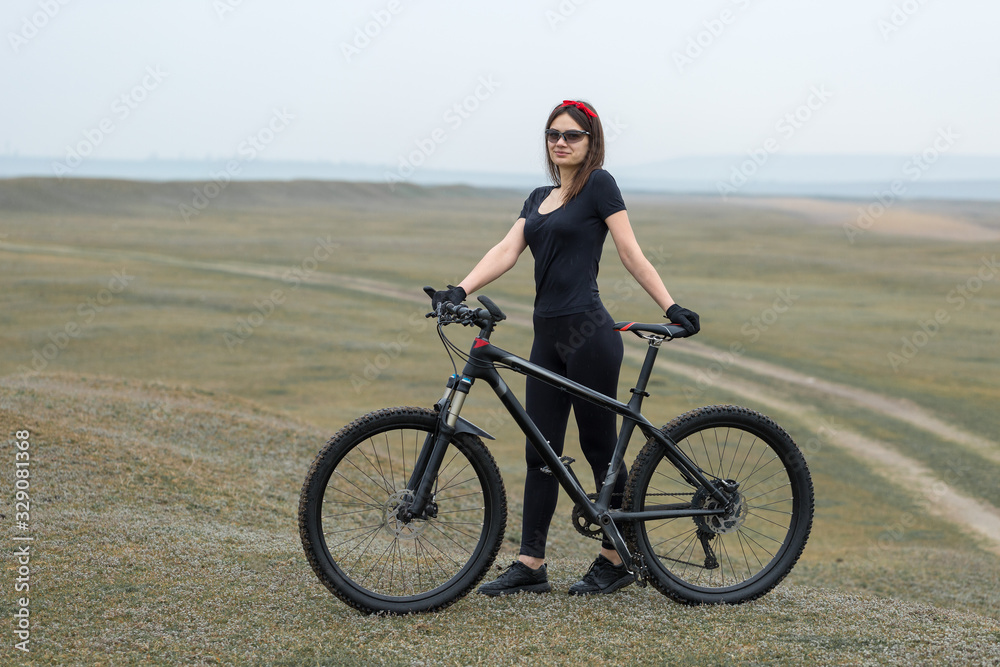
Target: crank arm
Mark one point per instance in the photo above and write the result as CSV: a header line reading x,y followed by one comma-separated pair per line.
x,y
613,534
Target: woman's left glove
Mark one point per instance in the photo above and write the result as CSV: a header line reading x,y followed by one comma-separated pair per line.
x,y
684,317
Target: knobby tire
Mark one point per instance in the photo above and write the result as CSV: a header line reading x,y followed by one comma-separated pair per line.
x,y
352,535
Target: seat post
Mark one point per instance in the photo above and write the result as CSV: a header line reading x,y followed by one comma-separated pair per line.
x,y
647,369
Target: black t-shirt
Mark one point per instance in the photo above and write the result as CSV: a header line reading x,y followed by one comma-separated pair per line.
x,y
567,244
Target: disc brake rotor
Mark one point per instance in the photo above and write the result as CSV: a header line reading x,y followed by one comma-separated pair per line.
x,y
719,524
404,530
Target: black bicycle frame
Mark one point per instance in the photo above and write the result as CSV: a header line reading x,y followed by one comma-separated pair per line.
x,y
481,366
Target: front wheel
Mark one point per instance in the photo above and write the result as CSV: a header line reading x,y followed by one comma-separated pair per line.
x,y
741,554
351,526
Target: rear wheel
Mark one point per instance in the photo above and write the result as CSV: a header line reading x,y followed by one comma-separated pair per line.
x,y
351,528
741,554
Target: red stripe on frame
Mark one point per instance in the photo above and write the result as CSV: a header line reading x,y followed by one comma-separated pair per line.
x,y
480,342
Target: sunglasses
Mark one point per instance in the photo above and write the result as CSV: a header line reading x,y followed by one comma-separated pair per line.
x,y
571,136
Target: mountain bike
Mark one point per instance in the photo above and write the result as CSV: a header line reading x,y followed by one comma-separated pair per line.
x,y
404,509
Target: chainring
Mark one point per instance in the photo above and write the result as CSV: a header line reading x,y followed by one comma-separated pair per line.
x,y
583,525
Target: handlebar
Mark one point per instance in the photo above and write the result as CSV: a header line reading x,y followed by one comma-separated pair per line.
x,y
462,314
484,318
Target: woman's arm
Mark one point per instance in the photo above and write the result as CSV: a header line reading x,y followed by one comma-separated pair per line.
x,y
500,259
635,262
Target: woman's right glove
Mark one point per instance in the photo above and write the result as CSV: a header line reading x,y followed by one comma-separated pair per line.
x,y
684,317
455,295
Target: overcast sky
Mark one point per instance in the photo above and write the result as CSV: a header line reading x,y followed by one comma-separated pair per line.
x,y
196,78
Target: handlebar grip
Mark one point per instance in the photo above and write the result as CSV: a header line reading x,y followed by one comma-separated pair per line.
x,y
676,330
492,308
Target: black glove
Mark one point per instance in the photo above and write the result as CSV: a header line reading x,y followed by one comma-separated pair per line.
x,y
453,294
684,317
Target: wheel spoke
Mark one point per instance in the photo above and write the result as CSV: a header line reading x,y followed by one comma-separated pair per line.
x,y
361,538
373,504
764,518
388,456
384,485
377,467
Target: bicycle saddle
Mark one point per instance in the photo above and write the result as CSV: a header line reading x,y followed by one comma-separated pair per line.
x,y
669,330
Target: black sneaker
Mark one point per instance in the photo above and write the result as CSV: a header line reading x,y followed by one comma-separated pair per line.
x,y
516,578
602,577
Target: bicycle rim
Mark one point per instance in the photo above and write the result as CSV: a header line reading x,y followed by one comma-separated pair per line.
x,y
371,548
740,555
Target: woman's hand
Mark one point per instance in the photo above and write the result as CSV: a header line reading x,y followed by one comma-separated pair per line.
x,y
455,295
684,317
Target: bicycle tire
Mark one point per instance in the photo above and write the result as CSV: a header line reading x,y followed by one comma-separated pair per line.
x,y
363,553
758,542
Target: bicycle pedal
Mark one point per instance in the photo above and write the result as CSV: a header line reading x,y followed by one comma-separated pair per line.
x,y
566,461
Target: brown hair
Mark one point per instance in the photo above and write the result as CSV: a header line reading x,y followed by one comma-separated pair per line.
x,y
595,151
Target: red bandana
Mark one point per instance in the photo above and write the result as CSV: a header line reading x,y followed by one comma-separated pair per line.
x,y
579,105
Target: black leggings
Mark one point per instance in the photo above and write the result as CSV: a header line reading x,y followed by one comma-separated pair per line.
x,y
584,348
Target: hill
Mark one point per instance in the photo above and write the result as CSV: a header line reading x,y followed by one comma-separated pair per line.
x,y
137,198
165,532
952,177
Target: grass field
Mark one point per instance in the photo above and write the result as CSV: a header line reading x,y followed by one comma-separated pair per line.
x,y
178,376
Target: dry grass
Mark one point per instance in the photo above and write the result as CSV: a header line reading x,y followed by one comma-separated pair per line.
x,y
168,466
166,534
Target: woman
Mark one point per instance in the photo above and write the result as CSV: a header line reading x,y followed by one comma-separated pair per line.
x,y
565,226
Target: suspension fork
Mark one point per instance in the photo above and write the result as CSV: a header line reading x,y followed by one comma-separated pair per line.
x,y
431,455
